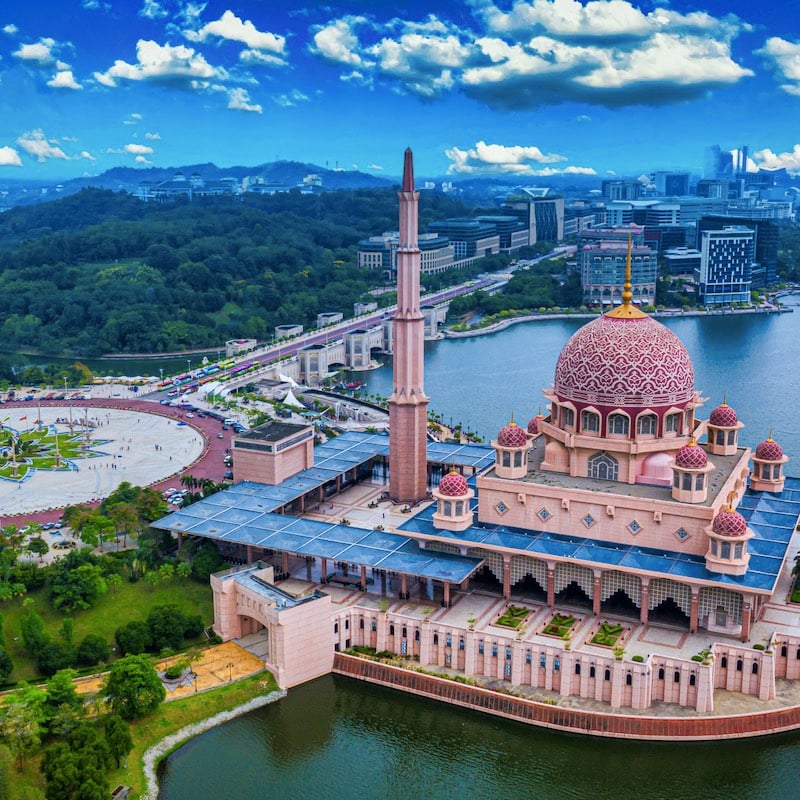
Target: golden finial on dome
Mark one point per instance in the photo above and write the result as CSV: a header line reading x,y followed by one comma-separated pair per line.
x,y
627,310
724,398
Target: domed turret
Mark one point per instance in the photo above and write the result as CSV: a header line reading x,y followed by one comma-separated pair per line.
x,y
533,424
723,416
691,456
454,484
511,435
768,461
729,523
769,450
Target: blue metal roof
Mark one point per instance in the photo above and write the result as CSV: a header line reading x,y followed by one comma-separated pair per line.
x,y
771,517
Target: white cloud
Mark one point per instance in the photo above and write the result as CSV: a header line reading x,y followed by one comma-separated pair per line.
x,y
153,137
234,29
179,65
40,52
260,57
784,57
139,149
36,145
583,118
337,42
292,98
239,100
132,119
142,160
510,160
10,29
85,154
9,157
766,159
376,167
151,9
64,80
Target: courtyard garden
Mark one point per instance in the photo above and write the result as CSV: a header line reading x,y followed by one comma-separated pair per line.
x,y
512,617
608,634
559,625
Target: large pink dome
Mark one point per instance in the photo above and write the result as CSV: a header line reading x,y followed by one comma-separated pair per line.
x,y
691,456
453,485
617,362
729,523
512,435
723,417
769,450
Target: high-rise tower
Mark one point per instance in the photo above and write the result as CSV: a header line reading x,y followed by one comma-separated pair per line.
x,y
408,405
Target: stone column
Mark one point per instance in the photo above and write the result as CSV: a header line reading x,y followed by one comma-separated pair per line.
x,y
363,578
644,611
747,615
403,587
596,597
694,614
551,585
286,563
506,577
324,578
446,601
250,558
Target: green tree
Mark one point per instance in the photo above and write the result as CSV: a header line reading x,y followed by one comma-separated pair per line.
x,y
118,736
20,723
113,580
39,547
133,687
92,650
134,637
32,629
6,666
76,582
167,625
206,561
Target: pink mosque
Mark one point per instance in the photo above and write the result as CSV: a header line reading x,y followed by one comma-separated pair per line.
x,y
620,510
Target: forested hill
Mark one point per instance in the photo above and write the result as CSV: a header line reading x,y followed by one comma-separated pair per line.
x,y
101,272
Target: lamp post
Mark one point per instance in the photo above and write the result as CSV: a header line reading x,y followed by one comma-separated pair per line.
x,y
229,665
161,373
188,364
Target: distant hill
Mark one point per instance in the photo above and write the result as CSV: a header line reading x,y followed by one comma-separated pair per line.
x,y
127,179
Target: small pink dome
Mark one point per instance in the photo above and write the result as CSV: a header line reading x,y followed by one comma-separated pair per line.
x,y
729,523
769,450
454,484
723,416
512,435
533,425
691,456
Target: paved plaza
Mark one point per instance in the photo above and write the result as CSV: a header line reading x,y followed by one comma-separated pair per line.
x,y
126,445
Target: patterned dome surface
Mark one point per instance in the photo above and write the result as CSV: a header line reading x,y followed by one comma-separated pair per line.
x,y
729,523
691,456
723,416
453,485
533,425
769,450
512,435
625,362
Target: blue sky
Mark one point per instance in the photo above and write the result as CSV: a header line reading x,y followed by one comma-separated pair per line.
x,y
514,87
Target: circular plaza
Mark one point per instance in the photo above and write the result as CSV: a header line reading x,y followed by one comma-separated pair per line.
x,y
98,448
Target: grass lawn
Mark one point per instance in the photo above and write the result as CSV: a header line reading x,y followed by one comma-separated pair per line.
x,y
607,634
513,617
172,716
126,602
559,625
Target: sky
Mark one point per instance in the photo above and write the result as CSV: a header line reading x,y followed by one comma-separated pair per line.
x,y
475,87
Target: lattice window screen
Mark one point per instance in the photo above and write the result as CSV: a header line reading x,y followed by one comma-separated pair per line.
x,y
662,589
567,573
710,599
630,584
524,565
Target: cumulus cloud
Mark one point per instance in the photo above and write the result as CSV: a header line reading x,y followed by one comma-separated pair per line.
x,y
36,145
291,98
784,58
9,157
152,9
153,137
85,154
239,100
766,159
178,66
376,167
231,28
41,52
486,158
10,29
64,80
138,149
142,160
607,52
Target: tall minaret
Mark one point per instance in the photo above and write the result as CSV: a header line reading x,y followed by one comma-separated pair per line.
x,y
408,405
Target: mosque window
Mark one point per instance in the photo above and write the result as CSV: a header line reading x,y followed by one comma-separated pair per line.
x,y
518,459
589,520
634,527
592,671
699,482
603,466
731,437
607,675
647,425
391,630
567,418
754,670
720,437
784,651
676,480
590,422
543,514
672,423
737,551
725,550
436,638
661,673
506,458
618,424
724,662
676,678
629,680
501,508
687,481
459,508
692,680
739,665
577,669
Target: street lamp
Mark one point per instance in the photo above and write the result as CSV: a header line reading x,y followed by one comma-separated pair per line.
x,y
161,373
229,665
189,364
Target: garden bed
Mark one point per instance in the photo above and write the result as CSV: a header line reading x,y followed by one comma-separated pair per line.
x,y
608,634
559,626
512,617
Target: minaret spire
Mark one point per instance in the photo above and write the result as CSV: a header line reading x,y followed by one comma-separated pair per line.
x,y
408,405
627,310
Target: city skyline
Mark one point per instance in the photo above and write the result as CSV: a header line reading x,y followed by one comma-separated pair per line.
x,y
521,89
